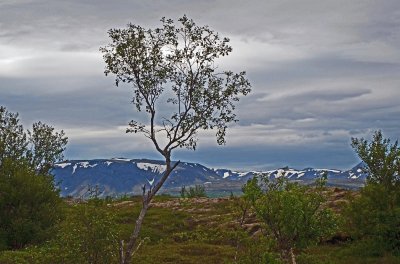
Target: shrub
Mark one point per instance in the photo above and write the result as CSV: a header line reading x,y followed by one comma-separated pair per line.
x,y
293,214
193,192
29,202
88,235
374,216
30,208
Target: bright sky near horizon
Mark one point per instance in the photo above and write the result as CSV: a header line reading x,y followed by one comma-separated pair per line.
x,y
321,71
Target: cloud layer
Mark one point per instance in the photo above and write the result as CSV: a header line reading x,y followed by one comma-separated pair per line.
x,y
322,72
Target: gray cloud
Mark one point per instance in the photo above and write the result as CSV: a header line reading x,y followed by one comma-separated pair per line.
x,y
322,72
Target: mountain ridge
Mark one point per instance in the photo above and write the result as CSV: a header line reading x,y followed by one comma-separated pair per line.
x,y
119,176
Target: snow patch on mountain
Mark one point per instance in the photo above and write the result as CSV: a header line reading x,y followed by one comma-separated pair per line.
x,y
328,170
120,159
82,164
157,168
151,182
63,165
86,164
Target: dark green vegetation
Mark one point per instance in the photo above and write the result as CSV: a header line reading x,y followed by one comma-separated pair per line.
x,y
193,192
375,214
29,203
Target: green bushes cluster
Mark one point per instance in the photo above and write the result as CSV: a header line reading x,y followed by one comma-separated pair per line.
x,y
294,215
88,235
193,192
30,205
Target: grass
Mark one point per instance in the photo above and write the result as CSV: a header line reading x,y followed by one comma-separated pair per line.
x,y
199,230
188,252
347,253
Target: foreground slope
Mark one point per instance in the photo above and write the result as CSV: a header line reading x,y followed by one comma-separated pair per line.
x,y
191,231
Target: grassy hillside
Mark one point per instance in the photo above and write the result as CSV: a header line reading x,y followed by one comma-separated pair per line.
x,y
198,230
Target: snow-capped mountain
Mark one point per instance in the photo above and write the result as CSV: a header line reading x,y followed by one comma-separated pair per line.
x,y
120,176
352,178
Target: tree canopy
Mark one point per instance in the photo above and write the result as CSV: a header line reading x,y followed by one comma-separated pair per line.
x,y
382,159
173,68
29,200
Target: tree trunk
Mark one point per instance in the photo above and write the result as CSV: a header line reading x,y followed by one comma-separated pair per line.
x,y
121,251
133,238
147,197
292,256
288,256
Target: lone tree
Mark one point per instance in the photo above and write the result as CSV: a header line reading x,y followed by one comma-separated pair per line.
x,y
173,66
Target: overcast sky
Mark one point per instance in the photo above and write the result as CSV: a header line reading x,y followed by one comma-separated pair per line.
x,y
321,71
